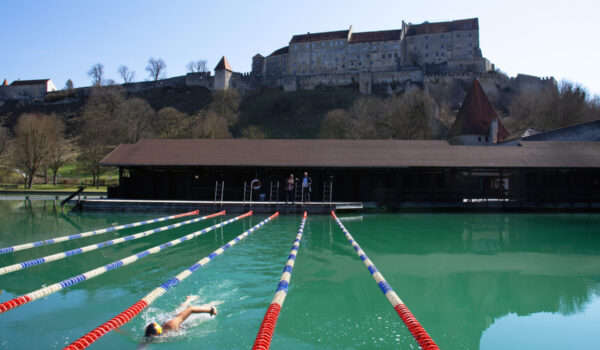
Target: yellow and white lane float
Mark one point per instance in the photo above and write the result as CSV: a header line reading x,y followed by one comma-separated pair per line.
x,y
40,293
38,261
91,233
265,332
136,308
415,328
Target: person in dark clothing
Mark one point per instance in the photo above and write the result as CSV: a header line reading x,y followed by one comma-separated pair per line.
x,y
306,188
289,189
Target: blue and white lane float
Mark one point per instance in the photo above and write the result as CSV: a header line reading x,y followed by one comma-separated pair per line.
x,y
89,248
90,233
40,293
136,308
415,328
267,327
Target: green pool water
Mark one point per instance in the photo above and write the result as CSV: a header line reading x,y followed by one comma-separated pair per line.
x,y
474,281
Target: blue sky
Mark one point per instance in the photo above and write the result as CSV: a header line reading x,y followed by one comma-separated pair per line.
x,y
62,39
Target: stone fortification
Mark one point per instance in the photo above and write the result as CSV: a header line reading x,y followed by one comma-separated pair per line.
x,y
442,57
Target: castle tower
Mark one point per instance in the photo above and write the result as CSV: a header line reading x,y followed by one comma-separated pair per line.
x,y
223,74
477,123
5,83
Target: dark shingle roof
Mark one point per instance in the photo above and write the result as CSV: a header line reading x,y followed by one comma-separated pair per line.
x,y
29,82
443,27
382,35
340,34
281,51
476,115
352,153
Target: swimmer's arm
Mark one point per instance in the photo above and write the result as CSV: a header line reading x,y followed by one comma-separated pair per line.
x,y
182,316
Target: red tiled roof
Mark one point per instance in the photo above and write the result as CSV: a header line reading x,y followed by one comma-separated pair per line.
x,y
476,115
352,153
223,65
281,51
29,82
5,83
340,34
382,35
443,27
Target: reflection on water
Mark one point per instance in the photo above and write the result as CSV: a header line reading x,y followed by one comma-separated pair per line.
x,y
475,281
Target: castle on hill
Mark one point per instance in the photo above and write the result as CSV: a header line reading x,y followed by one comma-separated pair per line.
x,y
442,58
401,55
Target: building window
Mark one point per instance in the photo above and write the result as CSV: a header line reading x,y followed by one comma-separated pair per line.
x,y
426,37
368,55
458,35
295,47
336,59
307,45
360,63
426,55
312,71
426,47
442,46
436,54
322,44
294,72
343,66
358,57
303,72
383,56
442,53
294,64
331,43
470,44
396,55
370,62
442,36
389,55
469,35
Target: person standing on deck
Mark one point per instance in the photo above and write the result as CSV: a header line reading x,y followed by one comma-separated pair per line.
x,y
306,188
289,189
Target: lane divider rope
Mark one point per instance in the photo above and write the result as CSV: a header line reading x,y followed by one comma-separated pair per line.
x,y
40,293
90,233
72,252
136,308
415,328
267,327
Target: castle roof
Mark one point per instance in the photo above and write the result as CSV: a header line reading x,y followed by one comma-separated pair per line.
x,y
382,35
476,115
340,34
223,65
443,27
281,51
29,82
5,82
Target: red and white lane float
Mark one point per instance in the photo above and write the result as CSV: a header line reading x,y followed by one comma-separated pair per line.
x,y
415,328
136,308
265,332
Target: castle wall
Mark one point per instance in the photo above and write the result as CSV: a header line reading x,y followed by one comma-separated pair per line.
x,y
440,47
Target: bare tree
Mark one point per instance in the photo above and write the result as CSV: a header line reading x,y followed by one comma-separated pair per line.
x,y
4,138
253,132
170,123
69,84
58,148
100,129
337,124
34,133
126,74
197,66
226,103
210,125
133,121
97,74
156,68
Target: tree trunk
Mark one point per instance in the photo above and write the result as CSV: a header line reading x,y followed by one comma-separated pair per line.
x,y
45,175
30,181
54,178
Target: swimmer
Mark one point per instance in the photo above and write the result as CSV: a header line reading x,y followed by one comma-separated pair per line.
x,y
154,329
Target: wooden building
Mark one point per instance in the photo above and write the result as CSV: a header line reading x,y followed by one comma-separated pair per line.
x,y
388,172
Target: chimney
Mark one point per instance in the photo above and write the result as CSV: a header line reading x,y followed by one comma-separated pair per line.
x,y
494,131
